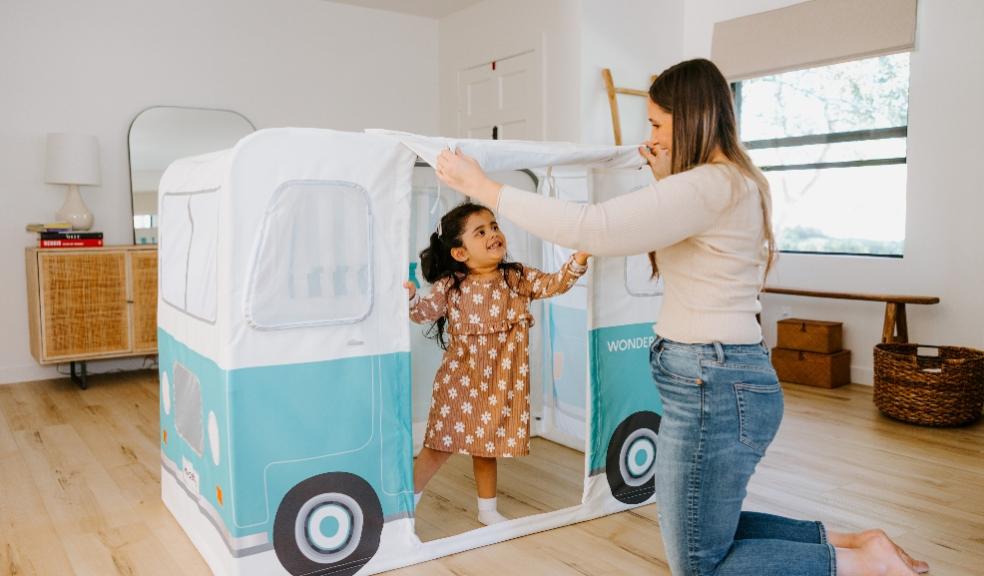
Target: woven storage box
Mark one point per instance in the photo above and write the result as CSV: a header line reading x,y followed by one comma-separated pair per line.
x,y
809,335
942,390
812,368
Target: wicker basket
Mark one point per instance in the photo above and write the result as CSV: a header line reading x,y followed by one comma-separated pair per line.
x,y
942,390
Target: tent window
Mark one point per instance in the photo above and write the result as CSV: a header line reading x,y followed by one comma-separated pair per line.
x,y
188,407
638,280
312,265
188,253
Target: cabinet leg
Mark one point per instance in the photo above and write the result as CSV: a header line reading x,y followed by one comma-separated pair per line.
x,y
80,379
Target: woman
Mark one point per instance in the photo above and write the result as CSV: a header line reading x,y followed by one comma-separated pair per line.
x,y
706,226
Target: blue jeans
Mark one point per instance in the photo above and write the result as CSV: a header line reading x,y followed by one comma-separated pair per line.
x,y
722,406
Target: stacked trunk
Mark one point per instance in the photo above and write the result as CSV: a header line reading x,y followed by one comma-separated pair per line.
x,y
809,352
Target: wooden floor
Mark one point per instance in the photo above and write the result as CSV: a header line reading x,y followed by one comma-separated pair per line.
x,y
79,489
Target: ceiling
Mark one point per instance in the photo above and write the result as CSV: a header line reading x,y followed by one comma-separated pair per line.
x,y
428,8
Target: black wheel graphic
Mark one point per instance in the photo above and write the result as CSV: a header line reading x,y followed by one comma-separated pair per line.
x,y
631,461
328,524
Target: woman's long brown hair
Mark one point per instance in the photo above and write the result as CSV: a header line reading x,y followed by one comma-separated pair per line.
x,y
698,97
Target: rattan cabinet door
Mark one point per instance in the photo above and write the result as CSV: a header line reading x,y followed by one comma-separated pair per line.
x,y
83,304
143,275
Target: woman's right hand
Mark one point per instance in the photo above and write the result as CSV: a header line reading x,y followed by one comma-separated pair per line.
x,y
410,288
658,159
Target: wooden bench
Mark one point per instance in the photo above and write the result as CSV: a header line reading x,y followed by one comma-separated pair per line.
x,y
895,328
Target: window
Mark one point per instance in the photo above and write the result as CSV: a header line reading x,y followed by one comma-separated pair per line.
x,y
312,264
188,407
832,142
190,234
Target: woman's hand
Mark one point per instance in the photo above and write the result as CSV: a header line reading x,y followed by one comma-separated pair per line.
x,y
410,288
658,159
581,258
463,173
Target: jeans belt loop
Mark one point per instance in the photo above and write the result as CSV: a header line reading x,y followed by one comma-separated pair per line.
x,y
719,351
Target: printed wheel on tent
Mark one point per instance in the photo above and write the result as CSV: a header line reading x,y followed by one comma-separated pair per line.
x,y
328,524
631,462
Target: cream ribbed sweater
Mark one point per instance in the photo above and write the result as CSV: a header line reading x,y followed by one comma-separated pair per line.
x,y
706,227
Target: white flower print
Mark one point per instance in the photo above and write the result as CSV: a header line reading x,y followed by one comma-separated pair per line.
x,y
446,379
447,440
496,294
440,287
459,427
530,274
510,347
480,432
445,410
502,338
484,386
511,442
439,425
469,439
471,363
482,340
506,411
455,298
461,351
466,289
477,298
466,407
474,319
506,363
433,305
473,349
503,385
430,433
465,381
521,432
452,393
524,370
494,310
474,393
453,365
487,371
493,353
500,432
486,417
524,417
510,314
455,314
536,286
493,400
510,395
520,384
489,447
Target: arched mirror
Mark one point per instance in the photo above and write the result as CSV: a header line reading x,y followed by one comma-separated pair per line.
x,y
162,134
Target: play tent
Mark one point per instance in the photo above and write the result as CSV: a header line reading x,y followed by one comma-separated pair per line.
x,y
293,384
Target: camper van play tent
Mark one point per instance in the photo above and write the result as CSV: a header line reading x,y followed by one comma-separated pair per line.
x,y
293,385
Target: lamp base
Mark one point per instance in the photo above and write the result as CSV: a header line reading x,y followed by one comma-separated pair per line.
x,y
74,211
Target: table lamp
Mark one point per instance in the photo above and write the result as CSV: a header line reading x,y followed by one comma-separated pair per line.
x,y
73,159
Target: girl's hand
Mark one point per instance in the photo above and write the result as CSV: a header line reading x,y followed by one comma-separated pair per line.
x,y
464,174
658,159
581,258
410,288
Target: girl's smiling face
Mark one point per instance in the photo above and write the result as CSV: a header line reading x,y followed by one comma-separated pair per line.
x,y
483,243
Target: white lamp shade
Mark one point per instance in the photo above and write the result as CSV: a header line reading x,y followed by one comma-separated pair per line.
x,y
72,159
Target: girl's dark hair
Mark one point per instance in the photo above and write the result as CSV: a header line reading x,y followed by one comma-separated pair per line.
x,y
436,262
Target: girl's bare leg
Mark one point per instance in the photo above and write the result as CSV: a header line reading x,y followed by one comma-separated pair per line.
x,y
857,540
427,464
486,476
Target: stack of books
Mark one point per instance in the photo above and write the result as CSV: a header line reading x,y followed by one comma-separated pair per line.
x,y
61,235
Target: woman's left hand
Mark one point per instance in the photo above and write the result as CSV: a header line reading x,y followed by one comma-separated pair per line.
x,y
464,174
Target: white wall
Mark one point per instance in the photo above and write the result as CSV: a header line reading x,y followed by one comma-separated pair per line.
x,y
494,29
90,67
635,39
944,252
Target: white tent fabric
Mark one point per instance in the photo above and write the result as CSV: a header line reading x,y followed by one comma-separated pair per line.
x,y
502,155
284,340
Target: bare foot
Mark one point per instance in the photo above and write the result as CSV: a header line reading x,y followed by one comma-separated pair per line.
x,y
857,539
877,556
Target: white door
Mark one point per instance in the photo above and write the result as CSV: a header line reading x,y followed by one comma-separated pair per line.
x,y
501,99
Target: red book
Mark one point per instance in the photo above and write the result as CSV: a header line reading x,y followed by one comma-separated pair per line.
x,y
80,243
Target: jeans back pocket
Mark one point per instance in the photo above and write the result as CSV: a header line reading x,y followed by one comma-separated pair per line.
x,y
759,413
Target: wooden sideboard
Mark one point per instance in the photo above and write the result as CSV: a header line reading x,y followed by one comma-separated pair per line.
x,y
91,304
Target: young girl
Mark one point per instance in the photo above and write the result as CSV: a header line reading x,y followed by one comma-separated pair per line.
x,y
479,306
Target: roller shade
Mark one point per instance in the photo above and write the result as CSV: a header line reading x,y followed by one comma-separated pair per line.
x,y
812,34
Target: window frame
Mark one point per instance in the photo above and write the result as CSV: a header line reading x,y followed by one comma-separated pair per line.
x,y
825,138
